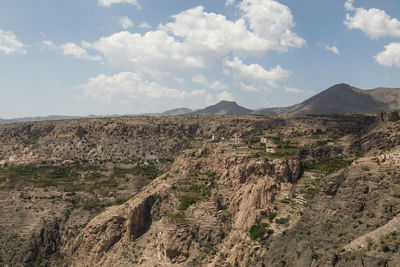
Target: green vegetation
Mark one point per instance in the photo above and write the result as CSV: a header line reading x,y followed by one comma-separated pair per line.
x,y
252,140
196,188
188,200
325,166
282,220
121,200
93,176
94,205
271,216
149,171
175,217
110,182
286,152
74,177
166,160
258,231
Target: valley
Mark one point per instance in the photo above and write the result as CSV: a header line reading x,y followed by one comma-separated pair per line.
x,y
201,190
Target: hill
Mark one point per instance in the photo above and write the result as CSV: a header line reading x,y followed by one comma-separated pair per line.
x,y
177,111
223,108
343,98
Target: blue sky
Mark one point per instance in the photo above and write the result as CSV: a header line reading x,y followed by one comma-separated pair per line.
x,y
80,57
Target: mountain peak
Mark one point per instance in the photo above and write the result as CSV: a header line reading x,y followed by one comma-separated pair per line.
x,y
224,107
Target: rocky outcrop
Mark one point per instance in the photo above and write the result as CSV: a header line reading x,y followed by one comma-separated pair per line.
x,y
249,199
46,242
390,116
117,225
236,169
139,217
173,242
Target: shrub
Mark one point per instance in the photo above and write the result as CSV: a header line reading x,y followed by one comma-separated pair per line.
x,y
257,232
271,216
188,200
121,200
93,204
325,166
175,217
282,220
149,171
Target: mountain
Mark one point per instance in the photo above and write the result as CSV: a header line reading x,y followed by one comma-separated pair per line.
x,y
177,111
343,98
223,108
45,118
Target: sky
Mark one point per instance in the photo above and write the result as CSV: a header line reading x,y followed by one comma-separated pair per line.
x,y
102,57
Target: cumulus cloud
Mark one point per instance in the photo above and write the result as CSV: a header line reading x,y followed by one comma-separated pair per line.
x,y
128,85
155,50
198,92
125,23
225,95
272,21
254,72
333,49
249,88
294,90
375,23
108,3
75,51
9,44
196,39
390,56
70,50
229,2
202,80
144,25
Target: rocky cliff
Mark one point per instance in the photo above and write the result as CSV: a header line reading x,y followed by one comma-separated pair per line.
x,y
201,191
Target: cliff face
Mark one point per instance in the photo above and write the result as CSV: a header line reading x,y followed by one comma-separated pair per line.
x,y
208,197
328,196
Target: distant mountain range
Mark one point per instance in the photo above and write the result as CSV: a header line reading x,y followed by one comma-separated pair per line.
x,y
343,98
45,118
336,99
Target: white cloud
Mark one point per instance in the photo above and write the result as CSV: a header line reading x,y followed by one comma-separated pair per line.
x,y
209,99
128,85
373,22
198,92
348,5
155,50
254,72
229,2
196,39
179,80
144,25
333,49
293,90
202,80
75,51
225,95
9,44
249,88
70,50
272,21
390,56
108,3
125,23
48,44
